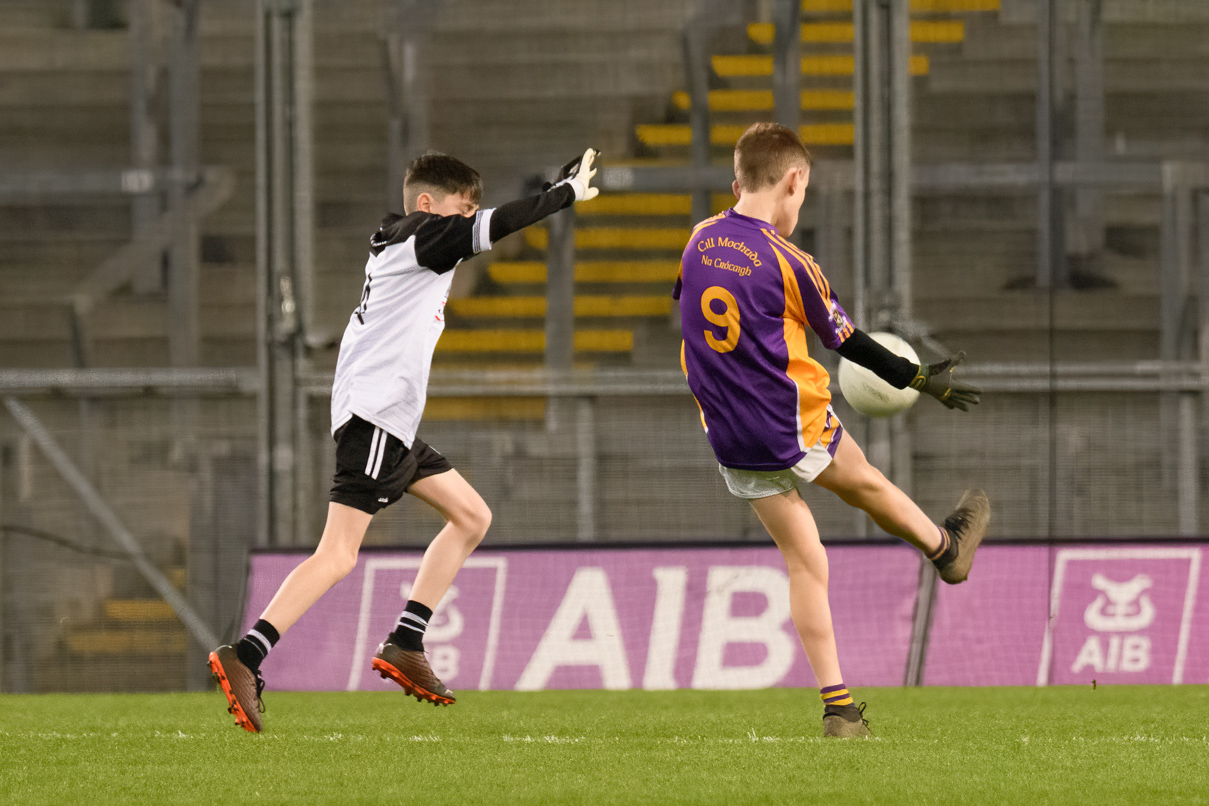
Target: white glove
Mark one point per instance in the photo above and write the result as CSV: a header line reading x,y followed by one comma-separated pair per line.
x,y
578,174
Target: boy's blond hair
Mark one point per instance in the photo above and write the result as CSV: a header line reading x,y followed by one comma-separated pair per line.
x,y
765,152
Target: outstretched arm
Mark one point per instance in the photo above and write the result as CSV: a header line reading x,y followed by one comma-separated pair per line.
x,y
444,241
516,215
572,185
934,379
860,348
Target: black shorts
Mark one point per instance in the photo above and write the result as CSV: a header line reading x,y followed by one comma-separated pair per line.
x,y
374,468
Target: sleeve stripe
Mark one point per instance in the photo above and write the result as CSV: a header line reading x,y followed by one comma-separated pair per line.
x,y
482,230
820,285
815,267
808,262
707,222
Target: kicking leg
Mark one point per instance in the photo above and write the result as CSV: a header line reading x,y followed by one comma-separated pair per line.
x,y
861,485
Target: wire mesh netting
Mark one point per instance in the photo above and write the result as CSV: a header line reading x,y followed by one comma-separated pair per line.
x,y
181,477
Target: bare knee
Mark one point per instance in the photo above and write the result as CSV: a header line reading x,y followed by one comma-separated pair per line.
x,y
806,563
337,561
473,520
480,520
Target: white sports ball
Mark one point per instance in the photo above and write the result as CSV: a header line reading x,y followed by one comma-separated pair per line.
x,y
869,394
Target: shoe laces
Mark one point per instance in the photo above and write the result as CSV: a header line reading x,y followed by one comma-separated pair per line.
x,y
861,708
956,523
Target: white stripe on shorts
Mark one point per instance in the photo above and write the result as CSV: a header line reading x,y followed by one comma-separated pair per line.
x,y
381,455
376,444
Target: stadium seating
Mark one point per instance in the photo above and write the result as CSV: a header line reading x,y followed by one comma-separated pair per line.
x,y
620,233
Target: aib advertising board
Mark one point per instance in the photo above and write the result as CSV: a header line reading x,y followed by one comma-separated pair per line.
x,y
718,618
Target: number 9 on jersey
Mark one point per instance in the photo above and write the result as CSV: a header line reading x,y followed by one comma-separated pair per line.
x,y
727,318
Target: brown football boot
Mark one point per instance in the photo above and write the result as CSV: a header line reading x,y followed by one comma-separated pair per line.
x,y
966,527
242,686
410,670
845,722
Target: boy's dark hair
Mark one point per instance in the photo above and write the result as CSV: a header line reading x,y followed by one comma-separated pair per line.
x,y
765,152
439,175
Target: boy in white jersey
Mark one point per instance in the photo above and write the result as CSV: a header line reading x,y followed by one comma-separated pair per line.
x,y
377,398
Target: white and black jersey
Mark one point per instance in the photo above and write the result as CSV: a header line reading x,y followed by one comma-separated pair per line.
x,y
386,352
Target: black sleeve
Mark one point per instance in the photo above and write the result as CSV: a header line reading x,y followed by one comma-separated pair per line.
x,y
895,370
444,241
441,242
516,215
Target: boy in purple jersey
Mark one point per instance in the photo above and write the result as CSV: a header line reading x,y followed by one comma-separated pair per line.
x,y
747,297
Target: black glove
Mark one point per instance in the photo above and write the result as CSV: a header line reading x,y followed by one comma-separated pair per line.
x,y
937,380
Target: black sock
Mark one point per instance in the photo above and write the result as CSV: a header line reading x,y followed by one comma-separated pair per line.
x,y
254,647
409,630
947,552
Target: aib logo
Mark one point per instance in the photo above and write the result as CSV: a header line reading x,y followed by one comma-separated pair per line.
x,y
1122,615
1119,608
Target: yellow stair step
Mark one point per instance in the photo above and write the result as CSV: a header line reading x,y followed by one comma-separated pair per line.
x,y
637,204
586,305
589,271
681,134
649,204
917,6
953,6
485,408
762,100
532,341
826,6
125,641
749,65
138,610
922,31
617,238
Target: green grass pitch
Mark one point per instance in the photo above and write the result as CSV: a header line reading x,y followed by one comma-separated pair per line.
x,y
1059,745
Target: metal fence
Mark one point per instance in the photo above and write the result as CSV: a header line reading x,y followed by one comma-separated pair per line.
x,y
118,491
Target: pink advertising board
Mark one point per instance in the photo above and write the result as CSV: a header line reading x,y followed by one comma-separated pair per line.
x,y
598,618
1038,615
718,618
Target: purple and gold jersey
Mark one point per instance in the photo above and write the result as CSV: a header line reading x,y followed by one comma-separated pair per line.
x,y
747,296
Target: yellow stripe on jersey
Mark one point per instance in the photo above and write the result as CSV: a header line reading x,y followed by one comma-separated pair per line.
x,y
706,223
820,283
684,369
807,374
808,264
831,430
